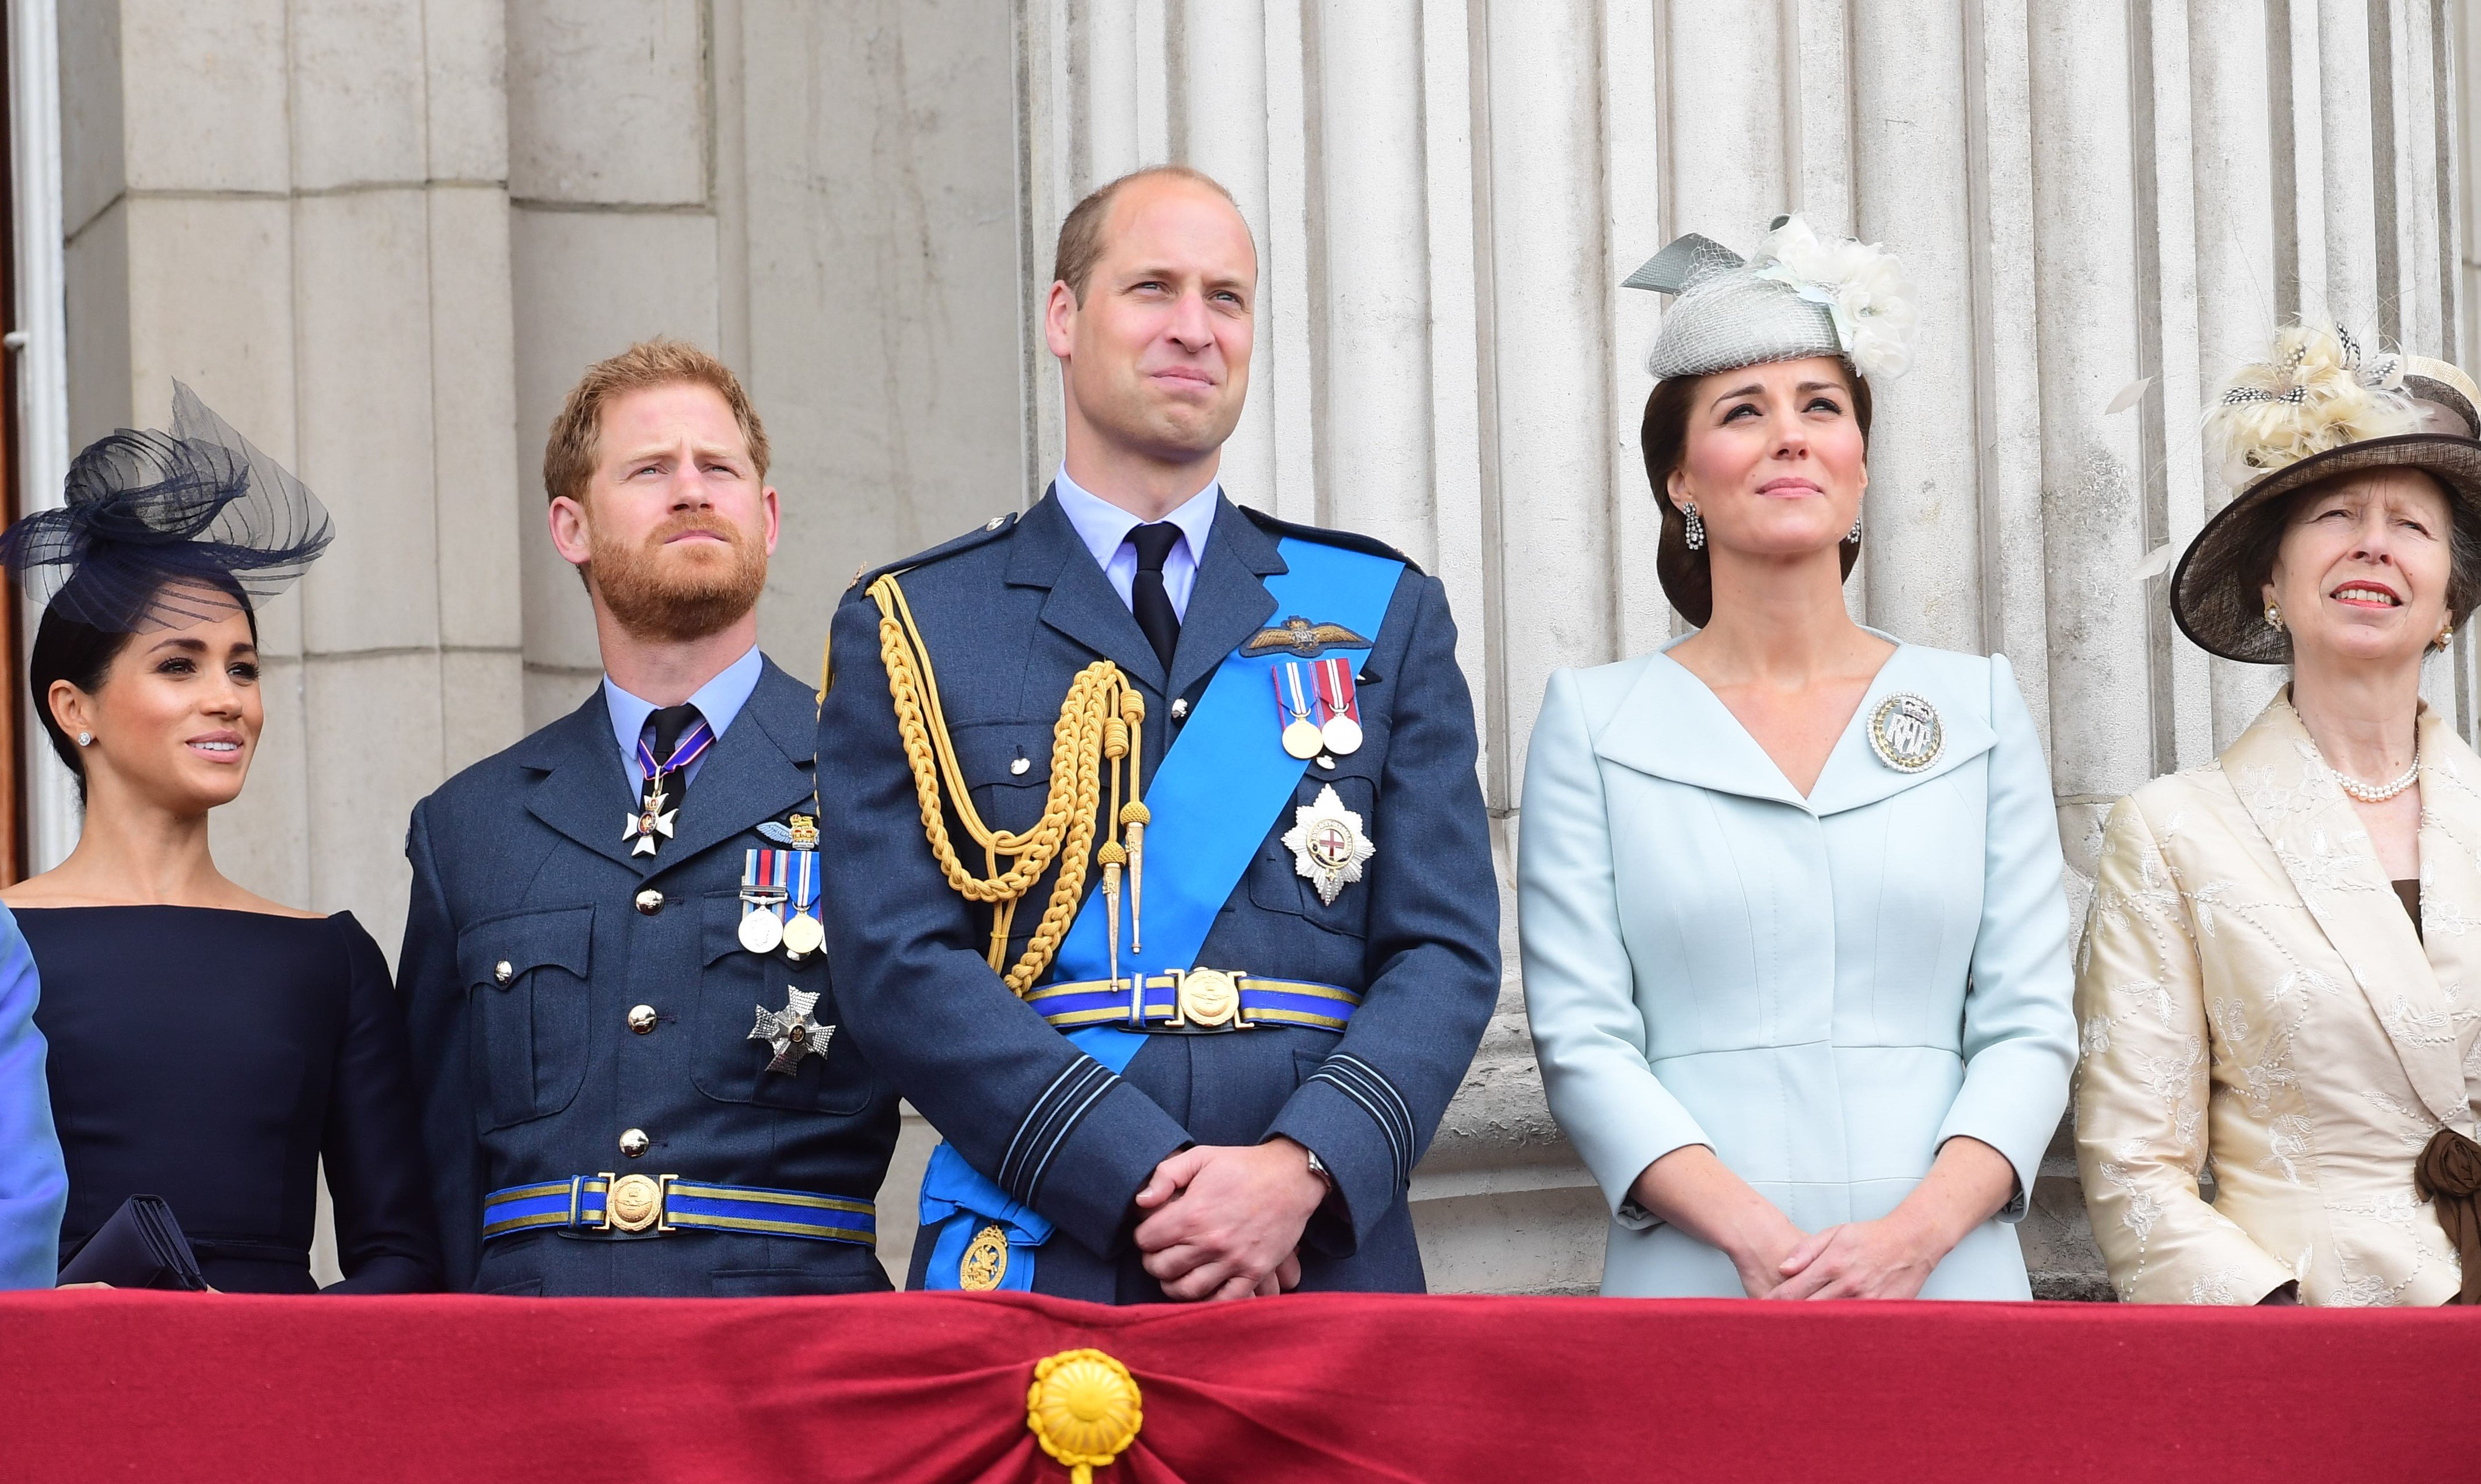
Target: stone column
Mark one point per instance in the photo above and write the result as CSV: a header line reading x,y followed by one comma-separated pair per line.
x,y
300,211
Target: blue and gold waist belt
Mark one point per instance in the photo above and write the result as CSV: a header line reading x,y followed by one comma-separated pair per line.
x,y
1194,1002
667,1203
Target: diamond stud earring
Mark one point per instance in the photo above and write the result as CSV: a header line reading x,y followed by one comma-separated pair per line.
x,y
86,739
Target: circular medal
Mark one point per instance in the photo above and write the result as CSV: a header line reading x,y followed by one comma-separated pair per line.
x,y
1906,734
1302,738
1341,735
761,930
803,935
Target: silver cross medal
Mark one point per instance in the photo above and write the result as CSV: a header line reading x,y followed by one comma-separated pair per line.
x,y
649,822
791,1031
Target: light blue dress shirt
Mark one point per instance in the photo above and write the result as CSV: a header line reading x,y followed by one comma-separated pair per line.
x,y
1103,527
718,702
1822,989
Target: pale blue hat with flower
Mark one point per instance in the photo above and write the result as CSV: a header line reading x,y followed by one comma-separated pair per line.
x,y
1802,294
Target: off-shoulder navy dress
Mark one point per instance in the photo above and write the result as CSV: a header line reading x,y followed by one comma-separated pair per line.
x,y
214,1058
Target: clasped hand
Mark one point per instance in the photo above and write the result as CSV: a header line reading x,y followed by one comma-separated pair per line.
x,y
1225,1221
1890,1258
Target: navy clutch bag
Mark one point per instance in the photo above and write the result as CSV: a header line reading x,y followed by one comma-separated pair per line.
x,y
140,1246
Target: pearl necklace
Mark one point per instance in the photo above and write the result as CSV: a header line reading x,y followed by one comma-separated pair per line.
x,y
2379,793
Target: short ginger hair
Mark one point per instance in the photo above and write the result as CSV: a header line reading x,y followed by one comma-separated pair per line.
x,y
1080,235
576,434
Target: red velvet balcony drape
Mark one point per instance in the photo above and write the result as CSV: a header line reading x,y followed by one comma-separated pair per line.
x,y
908,1388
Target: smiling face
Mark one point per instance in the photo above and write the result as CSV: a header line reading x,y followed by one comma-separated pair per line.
x,y
2363,569
175,718
676,526
1775,459
1155,354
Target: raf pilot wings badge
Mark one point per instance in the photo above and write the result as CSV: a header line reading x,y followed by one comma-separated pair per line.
x,y
1303,638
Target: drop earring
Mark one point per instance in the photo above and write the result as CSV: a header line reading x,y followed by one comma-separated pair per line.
x,y
1852,537
1696,526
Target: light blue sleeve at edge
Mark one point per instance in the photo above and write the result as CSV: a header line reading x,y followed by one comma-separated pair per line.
x,y
33,1183
2020,1026
1589,1034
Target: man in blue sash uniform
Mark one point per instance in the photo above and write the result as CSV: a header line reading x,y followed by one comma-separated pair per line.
x,y
632,1077
1158,874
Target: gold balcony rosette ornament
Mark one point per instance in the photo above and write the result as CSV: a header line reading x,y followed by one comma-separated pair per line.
x,y
1084,1408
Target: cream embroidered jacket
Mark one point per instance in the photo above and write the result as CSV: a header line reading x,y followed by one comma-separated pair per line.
x,y
2252,998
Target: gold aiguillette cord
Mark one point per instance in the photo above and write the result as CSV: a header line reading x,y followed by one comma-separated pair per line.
x,y
1103,718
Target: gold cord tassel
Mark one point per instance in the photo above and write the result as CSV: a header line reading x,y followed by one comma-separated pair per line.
x,y
1134,817
1110,856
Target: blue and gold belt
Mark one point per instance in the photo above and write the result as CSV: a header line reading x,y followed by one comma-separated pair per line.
x,y
632,1204
1194,1001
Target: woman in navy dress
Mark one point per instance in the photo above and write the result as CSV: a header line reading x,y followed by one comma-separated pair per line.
x,y
206,1045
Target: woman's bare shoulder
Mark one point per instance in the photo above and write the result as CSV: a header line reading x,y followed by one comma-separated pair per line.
x,y
251,901
49,890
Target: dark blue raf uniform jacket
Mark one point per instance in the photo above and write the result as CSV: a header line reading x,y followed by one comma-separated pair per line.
x,y
1009,615
518,859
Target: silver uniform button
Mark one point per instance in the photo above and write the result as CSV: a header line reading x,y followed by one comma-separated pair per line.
x,y
633,1142
503,972
650,901
641,1020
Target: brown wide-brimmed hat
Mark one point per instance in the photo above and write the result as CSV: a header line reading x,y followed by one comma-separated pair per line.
x,y
2316,411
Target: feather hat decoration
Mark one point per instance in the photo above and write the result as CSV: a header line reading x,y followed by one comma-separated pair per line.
x,y
1802,294
2318,391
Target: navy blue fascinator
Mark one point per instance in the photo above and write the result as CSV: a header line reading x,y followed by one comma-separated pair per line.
x,y
162,531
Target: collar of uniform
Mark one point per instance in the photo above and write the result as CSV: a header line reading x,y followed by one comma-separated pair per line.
x,y
718,702
1224,608
756,773
1103,526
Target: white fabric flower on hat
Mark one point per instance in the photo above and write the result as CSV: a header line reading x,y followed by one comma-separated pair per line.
x,y
1861,286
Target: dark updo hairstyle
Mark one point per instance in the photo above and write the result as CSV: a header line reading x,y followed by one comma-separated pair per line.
x,y
1687,580
82,654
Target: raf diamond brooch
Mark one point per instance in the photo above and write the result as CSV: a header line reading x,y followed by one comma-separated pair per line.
x,y
1328,848
1906,734
791,1031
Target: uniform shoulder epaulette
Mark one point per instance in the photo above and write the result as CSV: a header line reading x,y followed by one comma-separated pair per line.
x,y
1349,540
990,530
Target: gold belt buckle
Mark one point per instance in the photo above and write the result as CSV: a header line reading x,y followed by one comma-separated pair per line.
x,y
634,1203
1207,999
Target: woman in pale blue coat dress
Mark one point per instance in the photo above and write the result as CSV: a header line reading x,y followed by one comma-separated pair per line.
x,y
1795,946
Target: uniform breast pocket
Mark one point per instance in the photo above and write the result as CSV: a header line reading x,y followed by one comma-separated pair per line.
x,y
1275,881
734,985
525,980
1007,771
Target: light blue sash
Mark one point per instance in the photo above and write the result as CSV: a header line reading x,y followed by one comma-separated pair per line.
x,y
1225,777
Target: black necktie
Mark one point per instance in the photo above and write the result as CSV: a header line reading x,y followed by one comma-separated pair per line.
x,y
1147,599
668,726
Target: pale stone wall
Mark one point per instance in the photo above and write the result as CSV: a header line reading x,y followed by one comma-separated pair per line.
x,y
384,236
302,211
